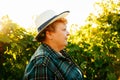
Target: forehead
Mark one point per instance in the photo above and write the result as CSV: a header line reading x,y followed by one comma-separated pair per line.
x,y
60,25
61,21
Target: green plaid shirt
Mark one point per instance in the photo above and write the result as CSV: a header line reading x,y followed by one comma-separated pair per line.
x,y
46,64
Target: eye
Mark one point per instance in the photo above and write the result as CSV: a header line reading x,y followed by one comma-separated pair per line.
x,y
64,29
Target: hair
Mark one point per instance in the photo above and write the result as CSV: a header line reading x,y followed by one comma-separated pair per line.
x,y
42,36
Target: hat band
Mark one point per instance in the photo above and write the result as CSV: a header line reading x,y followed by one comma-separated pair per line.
x,y
44,25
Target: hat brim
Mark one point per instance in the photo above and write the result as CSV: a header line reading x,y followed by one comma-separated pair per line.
x,y
44,25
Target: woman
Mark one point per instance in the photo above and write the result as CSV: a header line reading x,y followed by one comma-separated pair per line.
x,y
50,61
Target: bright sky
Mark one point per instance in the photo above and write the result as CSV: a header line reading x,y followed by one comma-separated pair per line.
x,y
22,11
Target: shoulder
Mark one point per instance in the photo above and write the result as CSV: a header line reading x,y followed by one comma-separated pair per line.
x,y
41,60
40,56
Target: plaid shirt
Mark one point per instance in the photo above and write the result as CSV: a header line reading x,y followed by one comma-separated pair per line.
x,y
46,64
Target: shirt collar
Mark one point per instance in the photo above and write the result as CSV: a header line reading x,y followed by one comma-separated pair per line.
x,y
51,51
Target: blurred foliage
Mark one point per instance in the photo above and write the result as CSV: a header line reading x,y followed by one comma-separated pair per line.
x,y
16,48
95,47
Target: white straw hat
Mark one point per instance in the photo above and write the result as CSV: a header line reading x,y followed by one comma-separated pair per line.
x,y
46,18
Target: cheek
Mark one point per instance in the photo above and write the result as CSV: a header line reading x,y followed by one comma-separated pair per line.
x,y
59,36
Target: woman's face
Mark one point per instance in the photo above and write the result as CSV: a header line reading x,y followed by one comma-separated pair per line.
x,y
60,35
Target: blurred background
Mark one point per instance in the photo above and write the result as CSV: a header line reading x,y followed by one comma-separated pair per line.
x,y
94,43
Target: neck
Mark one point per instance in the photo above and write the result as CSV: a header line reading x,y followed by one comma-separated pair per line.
x,y
53,46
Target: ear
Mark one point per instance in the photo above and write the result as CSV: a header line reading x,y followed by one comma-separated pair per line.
x,y
49,35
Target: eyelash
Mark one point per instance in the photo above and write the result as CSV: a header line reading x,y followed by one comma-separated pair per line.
x,y
64,29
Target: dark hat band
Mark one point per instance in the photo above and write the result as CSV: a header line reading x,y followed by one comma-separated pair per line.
x,y
44,25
